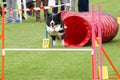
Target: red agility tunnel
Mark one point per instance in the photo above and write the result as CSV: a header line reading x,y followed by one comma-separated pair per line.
x,y
78,31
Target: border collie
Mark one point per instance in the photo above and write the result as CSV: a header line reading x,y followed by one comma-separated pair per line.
x,y
55,27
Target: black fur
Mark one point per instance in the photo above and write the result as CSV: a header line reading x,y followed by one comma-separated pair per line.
x,y
55,26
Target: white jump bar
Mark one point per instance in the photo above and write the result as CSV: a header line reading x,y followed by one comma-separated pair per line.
x,y
47,49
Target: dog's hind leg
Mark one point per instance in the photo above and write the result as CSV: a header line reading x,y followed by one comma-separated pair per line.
x,y
62,40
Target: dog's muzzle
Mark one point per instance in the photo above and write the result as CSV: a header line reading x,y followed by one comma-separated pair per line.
x,y
53,25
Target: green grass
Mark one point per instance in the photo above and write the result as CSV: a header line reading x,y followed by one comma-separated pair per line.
x,y
28,65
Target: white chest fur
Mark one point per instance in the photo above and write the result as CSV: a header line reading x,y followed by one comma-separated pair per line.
x,y
55,30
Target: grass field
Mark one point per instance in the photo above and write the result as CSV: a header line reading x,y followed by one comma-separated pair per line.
x,y
28,65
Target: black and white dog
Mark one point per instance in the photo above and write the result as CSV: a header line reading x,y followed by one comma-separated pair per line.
x,y
55,27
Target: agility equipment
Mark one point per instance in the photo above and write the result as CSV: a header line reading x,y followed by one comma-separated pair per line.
x,y
29,49
20,3
104,72
78,32
111,63
46,43
118,19
92,50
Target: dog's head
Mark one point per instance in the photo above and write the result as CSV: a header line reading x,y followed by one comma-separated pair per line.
x,y
53,20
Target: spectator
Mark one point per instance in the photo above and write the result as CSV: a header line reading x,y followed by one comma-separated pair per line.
x,y
11,5
29,4
38,4
55,10
83,5
67,8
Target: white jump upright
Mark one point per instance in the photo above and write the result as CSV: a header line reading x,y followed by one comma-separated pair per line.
x,y
20,3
